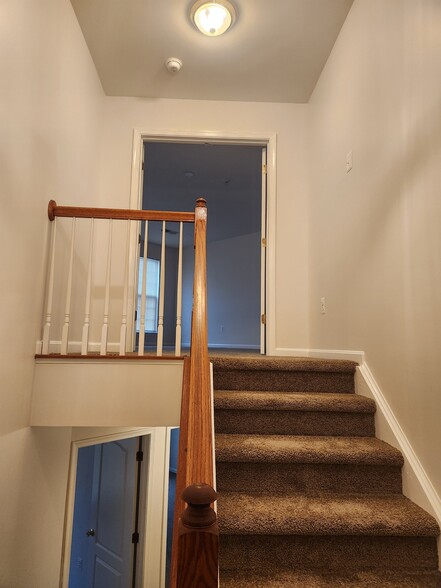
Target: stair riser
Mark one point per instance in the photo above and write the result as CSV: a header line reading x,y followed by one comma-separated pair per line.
x,y
267,552
315,504
269,422
302,579
312,478
284,381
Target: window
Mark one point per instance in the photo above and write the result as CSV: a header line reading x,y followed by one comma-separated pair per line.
x,y
151,298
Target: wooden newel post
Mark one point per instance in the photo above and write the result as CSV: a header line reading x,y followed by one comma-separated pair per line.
x,y
198,542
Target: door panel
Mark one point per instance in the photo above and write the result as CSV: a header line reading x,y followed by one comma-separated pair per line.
x,y
106,576
113,490
106,491
113,503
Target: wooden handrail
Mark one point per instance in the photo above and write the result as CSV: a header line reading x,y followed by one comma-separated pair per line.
x,y
196,535
117,213
200,441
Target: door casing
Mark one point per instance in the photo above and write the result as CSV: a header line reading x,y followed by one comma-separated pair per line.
x,y
264,139
151,568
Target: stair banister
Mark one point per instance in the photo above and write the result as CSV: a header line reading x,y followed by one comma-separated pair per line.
x,y
116,256
117,213
196,534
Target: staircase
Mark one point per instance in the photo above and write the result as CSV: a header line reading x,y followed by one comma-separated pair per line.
x,y
308,497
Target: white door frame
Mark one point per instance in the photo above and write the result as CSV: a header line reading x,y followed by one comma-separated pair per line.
x,y
263,232
264,139
165,490
153,552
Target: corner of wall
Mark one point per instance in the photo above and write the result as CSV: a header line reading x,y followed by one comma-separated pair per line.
x,y
416,483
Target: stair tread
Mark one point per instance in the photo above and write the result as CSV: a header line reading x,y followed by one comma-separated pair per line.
x,y
305,449
297,514
295,401
288,517
317,579
274,363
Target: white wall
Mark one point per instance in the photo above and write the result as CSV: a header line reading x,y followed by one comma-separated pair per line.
x,y
107,394
288,121
233,290
50,120
288,293
34,467
376,238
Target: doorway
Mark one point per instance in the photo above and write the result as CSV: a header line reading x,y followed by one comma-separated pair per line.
x,y
173,442
106,526
126,520
232,178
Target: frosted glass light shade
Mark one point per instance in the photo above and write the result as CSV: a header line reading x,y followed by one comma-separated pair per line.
x,y
213,18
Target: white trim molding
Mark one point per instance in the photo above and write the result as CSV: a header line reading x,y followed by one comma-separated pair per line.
x,y
416,483
75,347
232,346
357,356
112,347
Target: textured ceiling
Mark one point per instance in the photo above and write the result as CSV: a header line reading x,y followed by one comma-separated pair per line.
x,y
275,51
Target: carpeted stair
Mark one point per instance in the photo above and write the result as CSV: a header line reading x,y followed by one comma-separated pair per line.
x,y
308,497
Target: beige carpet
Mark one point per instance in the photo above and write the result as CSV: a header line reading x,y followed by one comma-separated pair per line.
x,y
308,497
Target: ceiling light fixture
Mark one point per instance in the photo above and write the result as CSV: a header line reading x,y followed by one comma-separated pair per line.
x,y
213,18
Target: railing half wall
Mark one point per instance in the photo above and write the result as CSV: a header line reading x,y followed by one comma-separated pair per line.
x,y
92,284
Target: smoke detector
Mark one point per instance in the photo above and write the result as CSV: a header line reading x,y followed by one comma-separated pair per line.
x,y
173,64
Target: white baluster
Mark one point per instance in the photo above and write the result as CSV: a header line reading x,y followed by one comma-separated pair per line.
x,y
50,292
123,333
105,328
179,296
65,330
85,336
161,296
143,293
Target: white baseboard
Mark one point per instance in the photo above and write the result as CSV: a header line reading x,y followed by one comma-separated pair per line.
x,y
113,347
231,346
357,356
416,483
75,347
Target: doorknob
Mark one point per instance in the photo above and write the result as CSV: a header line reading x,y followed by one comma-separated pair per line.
x,y
90,533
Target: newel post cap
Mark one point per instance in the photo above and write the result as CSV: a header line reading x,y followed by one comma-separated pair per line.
x,y
199,494
198,512
201,203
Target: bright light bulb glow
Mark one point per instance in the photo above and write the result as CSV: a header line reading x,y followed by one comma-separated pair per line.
x,y
212,18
